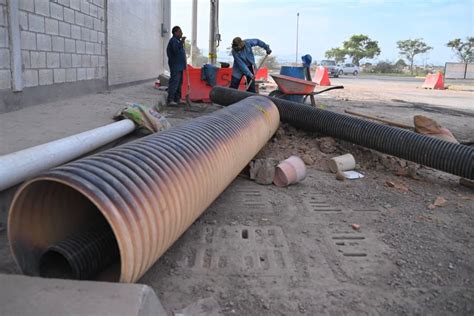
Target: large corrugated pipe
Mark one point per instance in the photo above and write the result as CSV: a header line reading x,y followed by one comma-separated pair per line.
x,y
432,152
149,191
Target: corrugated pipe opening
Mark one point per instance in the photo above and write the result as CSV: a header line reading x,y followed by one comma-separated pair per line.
x,y
110,216
82,255
72,239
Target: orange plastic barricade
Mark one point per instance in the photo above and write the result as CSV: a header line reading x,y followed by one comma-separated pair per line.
x,y
434,81
322,77
262,74
200,89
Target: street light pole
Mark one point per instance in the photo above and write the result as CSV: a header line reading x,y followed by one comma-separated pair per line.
x,y
297,35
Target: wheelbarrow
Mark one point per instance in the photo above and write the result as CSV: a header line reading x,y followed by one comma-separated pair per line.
x,y
294,86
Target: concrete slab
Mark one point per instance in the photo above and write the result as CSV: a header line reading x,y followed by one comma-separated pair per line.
x,y
21,295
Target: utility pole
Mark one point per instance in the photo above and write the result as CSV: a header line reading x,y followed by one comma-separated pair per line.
x,y
194,48
297,35
214,36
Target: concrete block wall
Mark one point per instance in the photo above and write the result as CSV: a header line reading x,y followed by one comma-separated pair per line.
x,y
62,41
5,73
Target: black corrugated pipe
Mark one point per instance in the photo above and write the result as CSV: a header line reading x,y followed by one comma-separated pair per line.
x,y
82,255
432,152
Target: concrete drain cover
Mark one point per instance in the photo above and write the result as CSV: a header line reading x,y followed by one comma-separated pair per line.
x,y
318,203
360,254
239,250
350,254
246,196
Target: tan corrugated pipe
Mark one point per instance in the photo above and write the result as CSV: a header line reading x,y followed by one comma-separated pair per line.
x,y
149,191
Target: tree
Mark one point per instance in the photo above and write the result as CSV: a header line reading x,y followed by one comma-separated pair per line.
x,y
411,48
361,46
400,64
357,47
384,67
464,50
338,54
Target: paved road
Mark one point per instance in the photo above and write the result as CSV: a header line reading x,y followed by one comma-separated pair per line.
x,y
392,89
405,79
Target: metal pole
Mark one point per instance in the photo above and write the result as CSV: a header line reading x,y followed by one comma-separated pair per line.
x,y
194,48
297,35
212,33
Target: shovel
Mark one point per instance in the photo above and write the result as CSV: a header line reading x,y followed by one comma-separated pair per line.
x,y
256,71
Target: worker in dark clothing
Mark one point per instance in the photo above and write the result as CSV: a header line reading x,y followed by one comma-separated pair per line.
x,y
244,61
177,63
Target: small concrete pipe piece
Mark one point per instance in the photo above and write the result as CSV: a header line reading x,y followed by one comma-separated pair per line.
x,y
148,191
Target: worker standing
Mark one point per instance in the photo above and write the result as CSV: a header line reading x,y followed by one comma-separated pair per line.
x,y
244,61
177,63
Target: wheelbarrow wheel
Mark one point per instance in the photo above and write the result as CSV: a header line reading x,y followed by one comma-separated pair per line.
x,y
277,94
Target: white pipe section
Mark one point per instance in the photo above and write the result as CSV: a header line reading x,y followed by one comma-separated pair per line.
x,y
17,166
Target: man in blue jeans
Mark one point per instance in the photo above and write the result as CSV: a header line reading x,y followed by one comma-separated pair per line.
x,y
244,61
177,63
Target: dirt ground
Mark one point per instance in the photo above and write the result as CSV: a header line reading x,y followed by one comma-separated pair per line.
x,y
263,250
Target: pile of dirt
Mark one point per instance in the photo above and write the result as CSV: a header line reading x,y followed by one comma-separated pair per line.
x,y
315,150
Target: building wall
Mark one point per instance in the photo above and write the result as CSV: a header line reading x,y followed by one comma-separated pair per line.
x,y
135,41
62,41
64,48
5,73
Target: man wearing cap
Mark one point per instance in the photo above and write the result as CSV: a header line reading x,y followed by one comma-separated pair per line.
x,y
244,61
177,63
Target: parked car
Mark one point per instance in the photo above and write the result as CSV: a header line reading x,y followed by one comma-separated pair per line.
x,y
348,69
333,69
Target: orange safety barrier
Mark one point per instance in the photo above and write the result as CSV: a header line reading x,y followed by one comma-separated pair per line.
x,y
434,81
200,89
262,74
322,77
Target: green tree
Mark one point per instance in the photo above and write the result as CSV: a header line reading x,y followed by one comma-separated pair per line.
x,y
338,54
384,67
357,47
464,50
400,64
411,48
361,46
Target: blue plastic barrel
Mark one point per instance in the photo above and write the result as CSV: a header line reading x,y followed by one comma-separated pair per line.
x,y
295,72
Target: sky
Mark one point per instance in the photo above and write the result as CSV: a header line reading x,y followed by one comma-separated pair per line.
x,y
324,24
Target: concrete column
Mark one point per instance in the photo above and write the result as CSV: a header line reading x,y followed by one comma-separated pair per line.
x,y
15,46
194,33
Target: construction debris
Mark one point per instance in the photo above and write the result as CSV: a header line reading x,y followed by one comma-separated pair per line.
x,y
427,126
439,202
144,116
263,170
355,226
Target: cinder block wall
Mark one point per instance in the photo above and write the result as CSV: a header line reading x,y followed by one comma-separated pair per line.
x,y
55,49
5,73
62,41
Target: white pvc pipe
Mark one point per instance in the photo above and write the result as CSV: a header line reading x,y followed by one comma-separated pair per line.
x,y
17,166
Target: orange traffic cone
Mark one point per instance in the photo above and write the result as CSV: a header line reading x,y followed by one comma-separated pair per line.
x,y
322,77
434,81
